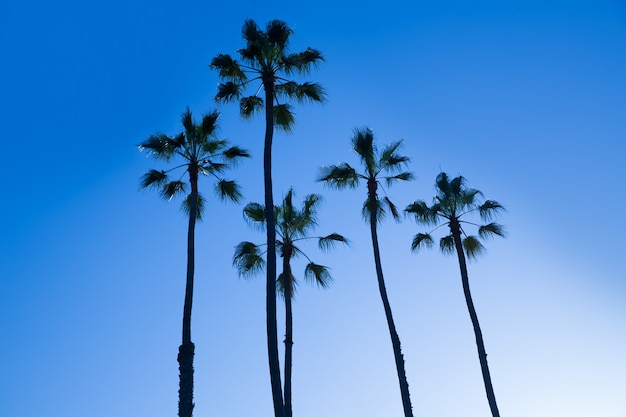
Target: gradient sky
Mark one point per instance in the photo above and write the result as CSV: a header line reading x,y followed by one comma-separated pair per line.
x,y
526,99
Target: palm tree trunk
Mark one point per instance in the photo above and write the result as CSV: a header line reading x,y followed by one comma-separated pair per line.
x,y
186,349
395,339
288,331
270,296
482,354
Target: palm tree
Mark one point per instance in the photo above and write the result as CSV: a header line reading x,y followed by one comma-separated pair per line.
x,y
200,154
266,60
452,202
293,225
376,164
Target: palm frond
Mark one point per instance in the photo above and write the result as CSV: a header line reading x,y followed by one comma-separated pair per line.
x,y
277,33
446,244
248,259
252,54
284,216
302,62
256,43
186,206
173,188
208,126
339,176
178,141
227,67
287,205
301,225
363,145
286,89
228,92
283,117
212,146
310,204
468,196
421,240
396,162
443,184
472,246
310,92
423,214
254,213
228,190
319,274
251,32
392,208
373,206
153,178
234,153
389,159
159,146
285,219
210,167
281,283
310,56
187,122
491,230
490,209
403,176
328,242
457,185
249,106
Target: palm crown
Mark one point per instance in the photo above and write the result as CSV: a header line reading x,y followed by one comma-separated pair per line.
x,y
386,165
201,153
453,201
292,225
266,58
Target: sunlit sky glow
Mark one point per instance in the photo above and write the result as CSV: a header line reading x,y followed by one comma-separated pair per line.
x,y
526,99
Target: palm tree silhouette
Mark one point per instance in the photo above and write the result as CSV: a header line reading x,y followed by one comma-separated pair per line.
x,y
453,201
266,59
201,154
376,164
292,225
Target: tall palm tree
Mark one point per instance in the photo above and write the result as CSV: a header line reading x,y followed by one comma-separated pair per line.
x,y
376,165
292,225
200,153
266,60
453,201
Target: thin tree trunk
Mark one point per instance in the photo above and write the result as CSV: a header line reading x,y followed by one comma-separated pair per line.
x,y
395,339
186,349
270,296
288,329
482,354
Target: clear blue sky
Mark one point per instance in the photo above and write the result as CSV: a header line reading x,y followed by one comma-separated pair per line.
x,y
527,99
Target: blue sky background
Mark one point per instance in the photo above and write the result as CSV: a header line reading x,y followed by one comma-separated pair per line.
x,y
527,99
